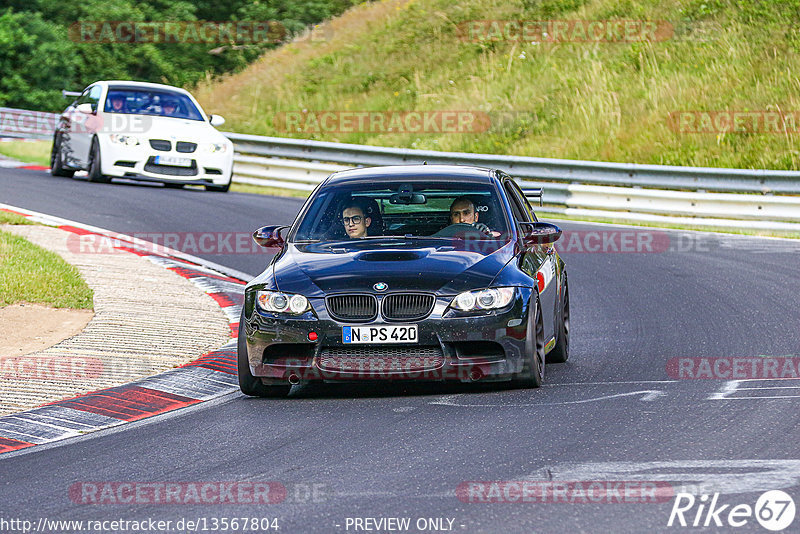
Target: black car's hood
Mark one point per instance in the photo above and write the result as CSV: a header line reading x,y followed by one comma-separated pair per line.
x,y
433,265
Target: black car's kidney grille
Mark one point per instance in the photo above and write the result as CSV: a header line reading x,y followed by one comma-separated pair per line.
x,y
160,144
170,170
407,306
352,307
183,146
381,360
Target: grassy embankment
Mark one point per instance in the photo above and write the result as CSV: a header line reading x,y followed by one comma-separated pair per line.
x,y
31,274
604,101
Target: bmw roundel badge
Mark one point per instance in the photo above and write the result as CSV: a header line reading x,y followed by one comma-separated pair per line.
x,y
380,286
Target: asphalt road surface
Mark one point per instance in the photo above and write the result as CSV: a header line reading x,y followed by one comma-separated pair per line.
x,y
627,409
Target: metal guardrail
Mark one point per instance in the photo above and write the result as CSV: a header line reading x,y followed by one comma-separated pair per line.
x,y
530,168
728,198
27,124
725,198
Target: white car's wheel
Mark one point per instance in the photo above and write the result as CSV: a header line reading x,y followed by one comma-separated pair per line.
x,y
95,169
57,160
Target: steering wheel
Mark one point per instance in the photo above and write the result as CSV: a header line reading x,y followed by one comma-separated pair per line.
x,y
457,229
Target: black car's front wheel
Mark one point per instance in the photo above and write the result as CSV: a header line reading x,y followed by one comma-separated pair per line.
x,y
249,384
532,374
560,352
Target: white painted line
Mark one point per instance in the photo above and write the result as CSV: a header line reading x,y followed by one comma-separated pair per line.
x,y
743,476
612,383
734,386
648,395
772,397
774,387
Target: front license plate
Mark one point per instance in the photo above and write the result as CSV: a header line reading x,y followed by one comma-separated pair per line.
x,y
174,161
380,334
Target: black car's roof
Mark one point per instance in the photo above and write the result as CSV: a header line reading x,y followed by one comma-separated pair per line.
x,y
445,173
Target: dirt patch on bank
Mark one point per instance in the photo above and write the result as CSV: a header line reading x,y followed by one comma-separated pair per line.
x,y
26,328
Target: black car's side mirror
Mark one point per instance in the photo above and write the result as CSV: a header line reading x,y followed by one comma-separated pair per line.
x,y
539,233
269,236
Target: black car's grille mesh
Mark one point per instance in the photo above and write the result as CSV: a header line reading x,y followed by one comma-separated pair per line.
x,y
352,307
377,360
160,144
407,306
183,146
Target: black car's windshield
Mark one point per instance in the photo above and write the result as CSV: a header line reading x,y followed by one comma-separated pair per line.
x,y
415,209
151,102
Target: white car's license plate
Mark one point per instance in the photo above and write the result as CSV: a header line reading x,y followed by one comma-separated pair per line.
x,y
174,161
380,334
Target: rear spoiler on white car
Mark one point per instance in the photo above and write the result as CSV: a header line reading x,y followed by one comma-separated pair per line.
x,y
535,192
70,94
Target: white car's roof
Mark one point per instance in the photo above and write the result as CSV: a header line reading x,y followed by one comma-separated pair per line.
x,y
146,85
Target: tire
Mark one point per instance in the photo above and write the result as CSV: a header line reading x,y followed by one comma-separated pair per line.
x,y
95,169
532,374
249,384
560,352
56,161
218,188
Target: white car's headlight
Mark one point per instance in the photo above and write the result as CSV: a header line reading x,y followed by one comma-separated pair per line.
x,y
483,299
128,140
217,147
275,301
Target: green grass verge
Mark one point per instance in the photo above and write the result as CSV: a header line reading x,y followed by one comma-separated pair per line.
x,y
271,191
13,218
29,273
34,152
700,228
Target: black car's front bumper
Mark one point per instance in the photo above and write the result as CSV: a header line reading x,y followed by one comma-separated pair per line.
x,y
450,346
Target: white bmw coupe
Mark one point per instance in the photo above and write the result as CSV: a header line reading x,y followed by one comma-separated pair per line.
x,y
142,131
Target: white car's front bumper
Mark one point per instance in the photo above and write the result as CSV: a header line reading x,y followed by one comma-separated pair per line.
x,y
138,161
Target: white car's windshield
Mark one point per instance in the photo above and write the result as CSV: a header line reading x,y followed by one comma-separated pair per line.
x,y
151,102
418,209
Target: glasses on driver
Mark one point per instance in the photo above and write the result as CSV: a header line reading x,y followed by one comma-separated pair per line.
x,y
355,219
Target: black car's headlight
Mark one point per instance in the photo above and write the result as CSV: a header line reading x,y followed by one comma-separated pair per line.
x,y
277,302
483,299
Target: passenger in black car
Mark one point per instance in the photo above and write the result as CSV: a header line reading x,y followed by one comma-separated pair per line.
x,y
354,219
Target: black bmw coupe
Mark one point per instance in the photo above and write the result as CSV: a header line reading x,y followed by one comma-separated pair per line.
x,y
424,272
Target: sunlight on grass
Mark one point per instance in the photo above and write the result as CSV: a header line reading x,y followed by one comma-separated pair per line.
x,y
29,273
34,152
594,101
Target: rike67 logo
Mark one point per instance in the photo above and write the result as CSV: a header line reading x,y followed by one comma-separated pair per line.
x,y
774,510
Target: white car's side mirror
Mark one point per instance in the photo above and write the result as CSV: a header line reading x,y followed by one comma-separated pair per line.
x,y
216,120
85,108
